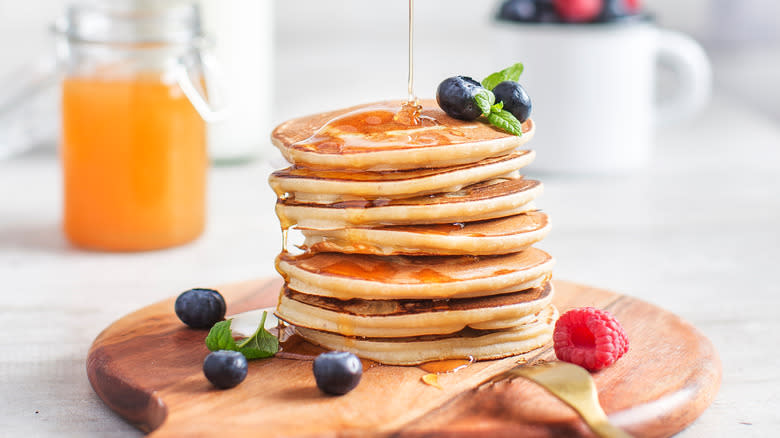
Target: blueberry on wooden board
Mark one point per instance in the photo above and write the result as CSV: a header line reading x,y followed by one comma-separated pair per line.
x,y
225,369
200,308
337,372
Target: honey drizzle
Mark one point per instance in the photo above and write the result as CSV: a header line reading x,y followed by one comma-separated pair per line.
x,y
446,366
411,110
410,86
432,380
374,125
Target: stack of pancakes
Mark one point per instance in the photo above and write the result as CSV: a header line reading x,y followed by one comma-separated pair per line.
x,y
417,238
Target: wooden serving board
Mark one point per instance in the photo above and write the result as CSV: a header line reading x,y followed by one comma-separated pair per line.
x,y
147,368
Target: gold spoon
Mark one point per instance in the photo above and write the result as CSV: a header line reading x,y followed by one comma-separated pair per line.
x,y
572,385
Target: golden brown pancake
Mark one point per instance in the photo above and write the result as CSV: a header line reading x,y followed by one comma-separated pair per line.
x,y
329,186
347,276
477,344
404,318
485,200
364,137
490,237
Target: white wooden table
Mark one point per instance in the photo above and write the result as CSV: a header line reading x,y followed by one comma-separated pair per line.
x,y
697,232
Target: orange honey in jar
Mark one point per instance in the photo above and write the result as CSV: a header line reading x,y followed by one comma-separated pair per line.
x,y
133,144
134,162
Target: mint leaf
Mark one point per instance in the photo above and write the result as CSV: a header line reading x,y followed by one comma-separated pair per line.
x,y
497,107
511,73
504,120
221,337
485,100
261,344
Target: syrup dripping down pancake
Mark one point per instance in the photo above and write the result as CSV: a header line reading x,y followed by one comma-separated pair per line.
x,y
365,137
328,186
347,276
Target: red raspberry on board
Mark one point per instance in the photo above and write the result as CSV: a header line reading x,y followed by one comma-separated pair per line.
x,y
589,337
578,11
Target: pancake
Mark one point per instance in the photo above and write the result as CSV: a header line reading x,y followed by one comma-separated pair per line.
x,y
496,236
479,344
403,318
416,237
347,276
365,137
485,200
328,186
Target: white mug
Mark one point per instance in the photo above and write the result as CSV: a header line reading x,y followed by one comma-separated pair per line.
x,y
593,89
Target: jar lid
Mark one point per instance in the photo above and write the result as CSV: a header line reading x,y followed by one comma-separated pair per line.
x,y
133,22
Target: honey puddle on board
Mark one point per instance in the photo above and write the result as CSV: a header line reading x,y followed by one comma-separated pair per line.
x,y
294,346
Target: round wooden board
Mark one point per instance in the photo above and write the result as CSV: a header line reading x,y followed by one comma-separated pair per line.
x,y
147,368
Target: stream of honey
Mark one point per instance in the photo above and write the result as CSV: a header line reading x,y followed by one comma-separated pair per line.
x,y
410,86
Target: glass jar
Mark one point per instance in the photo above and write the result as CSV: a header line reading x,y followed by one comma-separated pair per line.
x,y
133,141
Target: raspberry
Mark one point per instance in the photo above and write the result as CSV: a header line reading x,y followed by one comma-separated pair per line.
x,y
589,337
578,11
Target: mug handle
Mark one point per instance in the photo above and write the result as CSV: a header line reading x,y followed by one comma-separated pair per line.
x,y
687,59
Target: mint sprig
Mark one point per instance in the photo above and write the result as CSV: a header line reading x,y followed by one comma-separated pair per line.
x,y
511,73
221,337
260,345
485,99
504,120
494,112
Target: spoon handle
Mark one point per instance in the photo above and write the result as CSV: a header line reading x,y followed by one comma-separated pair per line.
x,y
574,386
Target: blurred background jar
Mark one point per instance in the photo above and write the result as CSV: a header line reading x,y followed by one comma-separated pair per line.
x,y
133,141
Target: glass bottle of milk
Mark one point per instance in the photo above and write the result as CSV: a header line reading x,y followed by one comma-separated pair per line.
x,y
243,37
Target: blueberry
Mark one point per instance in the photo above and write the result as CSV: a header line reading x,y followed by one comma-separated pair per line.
x,y
546,13
337,372
619,11
225,369
528,11
613,10
200,308
515,99
518,10
455,96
